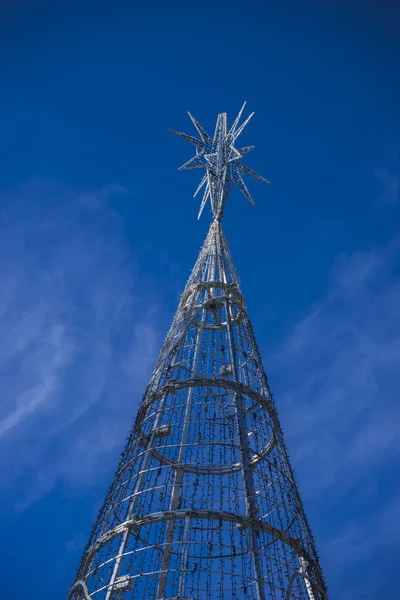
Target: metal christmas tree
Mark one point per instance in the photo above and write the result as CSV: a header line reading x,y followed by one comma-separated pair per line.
x,y
204,505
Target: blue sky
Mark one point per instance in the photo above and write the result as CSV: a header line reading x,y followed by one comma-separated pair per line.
x,y
98,234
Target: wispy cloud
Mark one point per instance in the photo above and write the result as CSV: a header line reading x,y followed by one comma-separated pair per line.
x,y
336,380
78,338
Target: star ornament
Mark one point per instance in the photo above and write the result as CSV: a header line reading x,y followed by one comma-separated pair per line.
x,y
221,160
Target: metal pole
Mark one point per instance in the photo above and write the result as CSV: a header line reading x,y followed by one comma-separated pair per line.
x,y
143,467
176,489
251,507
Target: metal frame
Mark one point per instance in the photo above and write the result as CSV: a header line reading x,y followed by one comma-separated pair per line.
x,y
204,505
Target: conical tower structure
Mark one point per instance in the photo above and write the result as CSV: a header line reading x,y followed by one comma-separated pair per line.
x,y
204,505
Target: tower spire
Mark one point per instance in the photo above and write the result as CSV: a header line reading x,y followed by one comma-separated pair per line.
x,y
204,504
221,160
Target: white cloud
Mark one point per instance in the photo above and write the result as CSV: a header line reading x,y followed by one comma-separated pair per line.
x,y
341,365
71,310
336,379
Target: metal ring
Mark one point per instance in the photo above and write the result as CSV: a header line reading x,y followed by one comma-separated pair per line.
x,y
242,522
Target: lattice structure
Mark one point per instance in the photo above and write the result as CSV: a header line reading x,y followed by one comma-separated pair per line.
x,y
204,505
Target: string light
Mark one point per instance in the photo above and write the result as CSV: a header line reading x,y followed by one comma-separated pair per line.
x,y
204,505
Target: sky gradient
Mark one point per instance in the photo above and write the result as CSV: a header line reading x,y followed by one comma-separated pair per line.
x,y
98,235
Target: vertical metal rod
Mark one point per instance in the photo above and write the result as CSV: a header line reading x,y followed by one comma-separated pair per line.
x,y
133,501
213,264
184,555
303,569
177,485
251,507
